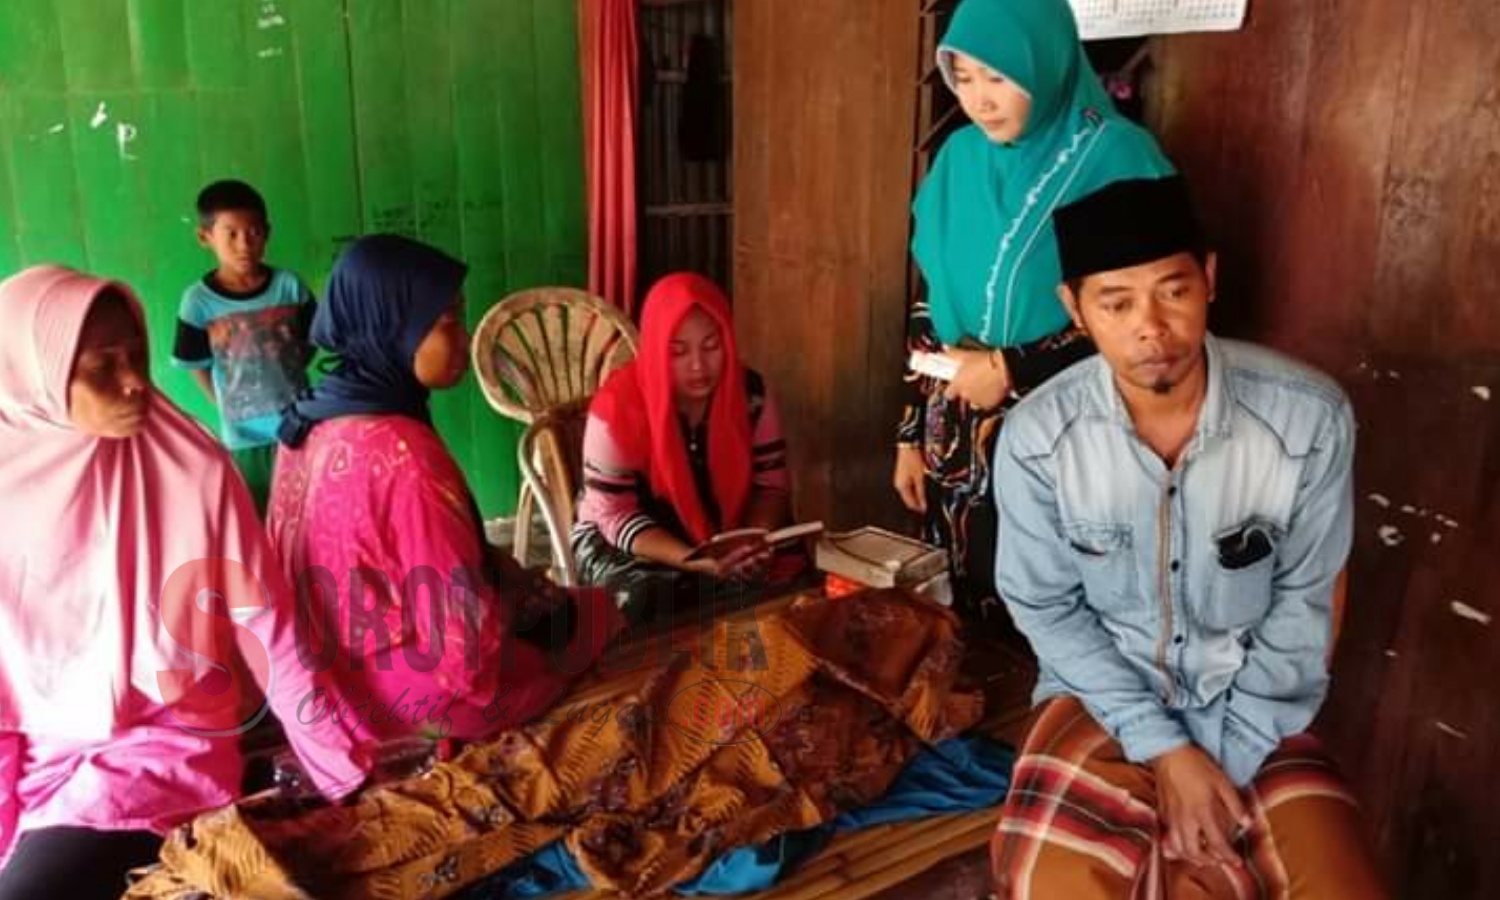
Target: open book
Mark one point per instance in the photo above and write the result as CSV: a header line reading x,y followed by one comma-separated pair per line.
x,y
726,542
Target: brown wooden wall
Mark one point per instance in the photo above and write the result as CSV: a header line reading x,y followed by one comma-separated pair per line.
x,y
1348,154
824,99
685,204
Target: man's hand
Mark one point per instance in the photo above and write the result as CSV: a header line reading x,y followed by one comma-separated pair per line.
x,y
1200,808
982,381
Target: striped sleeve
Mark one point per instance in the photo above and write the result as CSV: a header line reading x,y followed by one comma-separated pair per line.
x,y
768,450
611,489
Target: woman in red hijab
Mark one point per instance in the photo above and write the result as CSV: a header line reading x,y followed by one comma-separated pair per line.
x,y
682,444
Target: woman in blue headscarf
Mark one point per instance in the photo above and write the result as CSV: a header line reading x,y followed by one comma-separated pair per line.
x,y
1043,133
376,527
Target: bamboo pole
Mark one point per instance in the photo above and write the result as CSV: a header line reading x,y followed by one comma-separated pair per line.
x,y
875,872
857,846
887,870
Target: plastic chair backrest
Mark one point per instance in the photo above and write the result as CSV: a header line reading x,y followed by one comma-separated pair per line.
x,y
544,348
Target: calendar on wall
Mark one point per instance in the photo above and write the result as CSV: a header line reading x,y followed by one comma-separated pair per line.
x,y
1098,19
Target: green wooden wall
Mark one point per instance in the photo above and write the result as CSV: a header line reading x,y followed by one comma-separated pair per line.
x,y
456,121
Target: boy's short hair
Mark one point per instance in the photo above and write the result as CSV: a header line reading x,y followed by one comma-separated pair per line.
x,y
222,196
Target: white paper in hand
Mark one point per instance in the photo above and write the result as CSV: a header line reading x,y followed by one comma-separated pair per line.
x,y
934,365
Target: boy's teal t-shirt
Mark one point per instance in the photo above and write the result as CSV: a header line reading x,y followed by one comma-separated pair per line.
x,y
257,347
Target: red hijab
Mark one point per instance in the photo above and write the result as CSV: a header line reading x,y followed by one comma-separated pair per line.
x,y
636,402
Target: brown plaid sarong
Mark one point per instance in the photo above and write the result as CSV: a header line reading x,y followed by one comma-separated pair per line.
x,y
1080,823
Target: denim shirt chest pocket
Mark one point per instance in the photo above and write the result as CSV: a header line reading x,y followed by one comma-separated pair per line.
x,y
1241,567
1105,556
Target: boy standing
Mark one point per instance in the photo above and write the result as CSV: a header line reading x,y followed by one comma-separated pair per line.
x,y
242,330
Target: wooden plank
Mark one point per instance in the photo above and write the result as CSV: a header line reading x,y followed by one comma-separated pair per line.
x,y
166,169
1357,185
885,256
325,117
158,43
964,876
96,48
218,59
754,63
1441,157
273,88
522,175
559,110
1405,711
476,137
1351,103
477,142
427,106
267,91
1282,40
668,181
31,47
820,255
384,136
111,198
47,224
527,262
38,151
667,210
216,54
10,247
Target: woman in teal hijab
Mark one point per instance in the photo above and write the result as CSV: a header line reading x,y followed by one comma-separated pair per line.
x,y
1043,133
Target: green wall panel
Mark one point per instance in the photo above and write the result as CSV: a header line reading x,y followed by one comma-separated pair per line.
x,y
456,121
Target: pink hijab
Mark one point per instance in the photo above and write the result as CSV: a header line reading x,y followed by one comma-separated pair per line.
x,y
91,531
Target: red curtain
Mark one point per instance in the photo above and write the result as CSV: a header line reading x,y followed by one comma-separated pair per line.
x,y
608,41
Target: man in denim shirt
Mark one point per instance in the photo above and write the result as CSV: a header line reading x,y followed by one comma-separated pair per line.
x,y
1175,514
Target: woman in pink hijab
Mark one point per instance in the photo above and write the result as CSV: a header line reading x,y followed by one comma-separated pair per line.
x,y
122,692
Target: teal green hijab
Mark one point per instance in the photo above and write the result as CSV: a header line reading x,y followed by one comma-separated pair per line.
x,y
984,212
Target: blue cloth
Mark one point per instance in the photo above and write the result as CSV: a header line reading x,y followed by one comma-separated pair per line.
x,y
1209,583
957,775
385,294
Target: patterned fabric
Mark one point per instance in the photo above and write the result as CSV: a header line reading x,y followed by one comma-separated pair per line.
x,y
1081,822
813,711
957,444
375,505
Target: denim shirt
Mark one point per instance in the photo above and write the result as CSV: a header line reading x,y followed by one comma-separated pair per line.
x,y
1191,603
